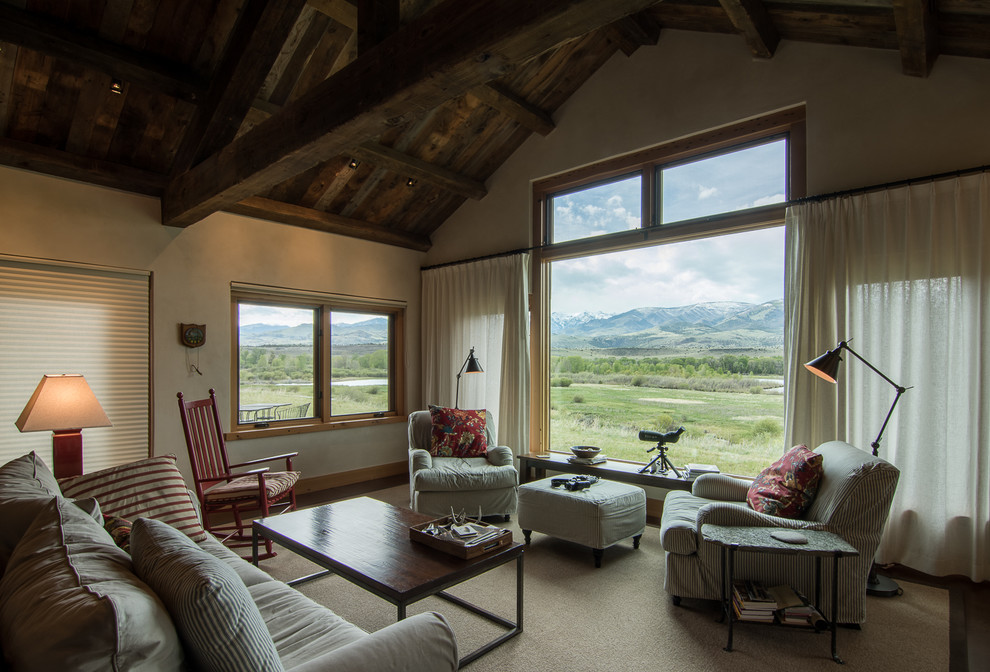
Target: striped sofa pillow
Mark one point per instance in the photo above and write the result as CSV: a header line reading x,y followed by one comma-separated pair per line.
x,y
211,607
150,488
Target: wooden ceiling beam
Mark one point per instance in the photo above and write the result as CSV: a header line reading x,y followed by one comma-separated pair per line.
x,y
82,168
917,35
307,218
255,44
404,164
632,32
341,11
449,50
522,111
750,17
40,33
377,19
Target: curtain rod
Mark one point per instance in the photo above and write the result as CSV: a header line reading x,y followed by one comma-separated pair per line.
x,y
796,201
888,185
484,257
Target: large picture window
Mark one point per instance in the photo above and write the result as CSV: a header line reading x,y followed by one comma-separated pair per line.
x,y
661,299
311,360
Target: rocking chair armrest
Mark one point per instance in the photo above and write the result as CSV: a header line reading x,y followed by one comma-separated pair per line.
x,y
285,456
249,472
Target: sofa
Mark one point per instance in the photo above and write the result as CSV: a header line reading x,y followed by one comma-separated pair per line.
x,y
84,588
852,500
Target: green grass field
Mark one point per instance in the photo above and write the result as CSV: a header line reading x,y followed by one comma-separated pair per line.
x,y
740,432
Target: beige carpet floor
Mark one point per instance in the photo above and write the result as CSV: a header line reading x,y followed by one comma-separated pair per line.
x,y
618,617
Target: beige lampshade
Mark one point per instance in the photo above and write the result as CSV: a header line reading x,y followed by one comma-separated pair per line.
x,y
62,402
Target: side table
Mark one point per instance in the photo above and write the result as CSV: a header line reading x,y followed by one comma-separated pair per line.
x,y
759,540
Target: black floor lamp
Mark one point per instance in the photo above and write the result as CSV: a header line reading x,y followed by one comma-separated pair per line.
x,y
827,367
470,365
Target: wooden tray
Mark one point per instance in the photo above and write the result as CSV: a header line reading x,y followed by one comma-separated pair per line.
x,y
462,548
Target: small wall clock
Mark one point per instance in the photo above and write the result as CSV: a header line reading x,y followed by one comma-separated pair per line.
x,y
192,335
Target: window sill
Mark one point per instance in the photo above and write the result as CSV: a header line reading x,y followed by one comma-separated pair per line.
x,y
284,430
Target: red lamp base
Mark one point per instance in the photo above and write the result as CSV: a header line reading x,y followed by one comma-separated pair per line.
x,y
67,453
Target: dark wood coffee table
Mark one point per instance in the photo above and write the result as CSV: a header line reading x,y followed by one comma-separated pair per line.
x,y
367,542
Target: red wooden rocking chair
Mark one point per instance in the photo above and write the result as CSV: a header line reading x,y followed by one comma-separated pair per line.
x,y
221,491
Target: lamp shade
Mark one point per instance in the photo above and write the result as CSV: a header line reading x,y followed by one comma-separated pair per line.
x,y
62,402
473,365
826,366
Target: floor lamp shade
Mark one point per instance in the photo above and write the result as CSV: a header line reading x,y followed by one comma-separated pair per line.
x,y
63,404
470,365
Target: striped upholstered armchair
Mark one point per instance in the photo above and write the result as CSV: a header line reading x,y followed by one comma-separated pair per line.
x,y
853,501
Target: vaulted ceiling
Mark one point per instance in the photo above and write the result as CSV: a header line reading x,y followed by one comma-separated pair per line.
x,y
368,118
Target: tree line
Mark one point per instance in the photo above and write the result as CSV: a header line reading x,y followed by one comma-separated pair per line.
x,y
708,366
274,365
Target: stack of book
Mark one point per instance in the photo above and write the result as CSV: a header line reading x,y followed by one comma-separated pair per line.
x,y
793,609
752,602
695,470
597,459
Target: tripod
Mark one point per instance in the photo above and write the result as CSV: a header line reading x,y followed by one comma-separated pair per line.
x,y
661,456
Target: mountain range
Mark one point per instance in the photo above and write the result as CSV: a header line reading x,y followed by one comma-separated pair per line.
x,y
373,331
699,326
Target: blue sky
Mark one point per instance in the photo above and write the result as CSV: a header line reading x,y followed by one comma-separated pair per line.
x,y
737,267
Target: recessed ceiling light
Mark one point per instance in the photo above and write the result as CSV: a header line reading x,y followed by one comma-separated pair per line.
x,y
354,163
410,182
116,86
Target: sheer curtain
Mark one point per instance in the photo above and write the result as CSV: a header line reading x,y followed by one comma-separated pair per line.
x,y
904,276
485,305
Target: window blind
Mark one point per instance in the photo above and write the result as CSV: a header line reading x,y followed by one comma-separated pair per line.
x,y
72,319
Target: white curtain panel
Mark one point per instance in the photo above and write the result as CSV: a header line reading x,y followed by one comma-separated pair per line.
x,y
485,305
903,275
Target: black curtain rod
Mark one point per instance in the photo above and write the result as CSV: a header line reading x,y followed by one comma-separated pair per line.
x,y
888,185
797,201
495,255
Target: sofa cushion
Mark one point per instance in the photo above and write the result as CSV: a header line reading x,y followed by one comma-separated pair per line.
x,y
300,628
150,488
69,601
787,487
457,433
26,487
218,621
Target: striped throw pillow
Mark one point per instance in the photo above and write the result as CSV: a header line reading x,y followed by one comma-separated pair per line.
x,y
151,488
211,607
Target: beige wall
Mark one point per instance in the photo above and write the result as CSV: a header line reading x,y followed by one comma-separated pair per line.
x,y
192,269
867,122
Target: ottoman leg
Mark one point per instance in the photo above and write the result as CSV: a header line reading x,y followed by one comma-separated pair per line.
x,y
526,534
636,540
598,553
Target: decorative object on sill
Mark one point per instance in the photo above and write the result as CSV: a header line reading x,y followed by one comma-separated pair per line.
x,y
826,367
662,441
65,405
470,365
585,451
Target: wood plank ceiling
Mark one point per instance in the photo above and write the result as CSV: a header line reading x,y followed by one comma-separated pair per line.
x,y
368,118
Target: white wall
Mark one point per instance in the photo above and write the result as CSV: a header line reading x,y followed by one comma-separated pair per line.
x,y
51,218
867,122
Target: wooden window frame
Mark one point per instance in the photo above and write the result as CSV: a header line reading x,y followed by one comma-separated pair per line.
x,y
788,123
325,305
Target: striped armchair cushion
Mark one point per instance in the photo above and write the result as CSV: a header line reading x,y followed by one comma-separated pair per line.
x,y
277,483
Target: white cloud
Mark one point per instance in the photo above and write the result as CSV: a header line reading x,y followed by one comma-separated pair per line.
x,y
706,192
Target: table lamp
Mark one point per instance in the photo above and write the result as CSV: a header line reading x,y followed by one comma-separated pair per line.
x,y
470,365
65,405
826,367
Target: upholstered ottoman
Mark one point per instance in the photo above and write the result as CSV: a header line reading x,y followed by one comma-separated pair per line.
x,y
597,516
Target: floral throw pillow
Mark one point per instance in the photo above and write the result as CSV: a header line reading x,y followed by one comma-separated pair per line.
x,y
787,487
457,433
